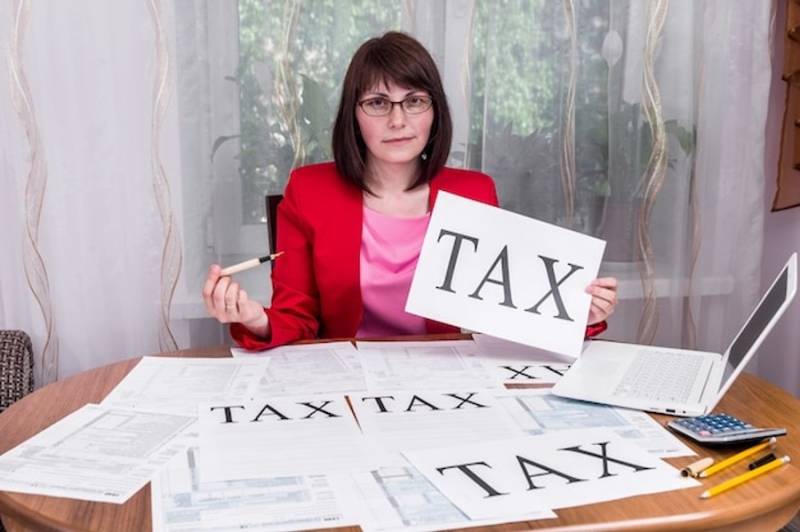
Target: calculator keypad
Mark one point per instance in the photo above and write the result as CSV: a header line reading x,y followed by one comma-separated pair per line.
x,y
714,424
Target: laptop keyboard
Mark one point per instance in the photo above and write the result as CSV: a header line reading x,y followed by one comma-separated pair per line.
x,y
660,376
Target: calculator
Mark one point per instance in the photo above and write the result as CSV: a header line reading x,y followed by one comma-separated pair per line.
x,y
721,429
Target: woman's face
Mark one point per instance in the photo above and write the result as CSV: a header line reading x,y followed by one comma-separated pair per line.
x,y
399,136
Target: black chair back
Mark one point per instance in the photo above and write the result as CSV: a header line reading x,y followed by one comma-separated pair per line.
x,y
16,367
271,206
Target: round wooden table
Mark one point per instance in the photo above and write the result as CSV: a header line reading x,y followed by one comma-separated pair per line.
x,y
766,503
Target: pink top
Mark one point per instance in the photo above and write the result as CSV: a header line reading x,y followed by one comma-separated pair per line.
x,y
390,248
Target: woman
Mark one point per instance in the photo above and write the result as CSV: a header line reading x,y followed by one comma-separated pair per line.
x,y
352,230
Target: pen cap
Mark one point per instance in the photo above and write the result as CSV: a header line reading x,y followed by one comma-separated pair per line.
x,y
767,458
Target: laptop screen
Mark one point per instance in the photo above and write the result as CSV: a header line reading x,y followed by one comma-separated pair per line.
x,y
759,320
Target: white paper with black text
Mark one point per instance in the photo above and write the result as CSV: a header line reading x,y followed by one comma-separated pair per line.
x,y
506,478
176,384
540,412
405,420
497,272
313,368
492,346
422,365
182,503
400,498
275,436
514,363
95,454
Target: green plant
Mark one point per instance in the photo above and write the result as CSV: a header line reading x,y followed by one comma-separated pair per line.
x,y
626,158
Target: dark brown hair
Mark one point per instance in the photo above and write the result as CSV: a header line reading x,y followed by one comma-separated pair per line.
x,y
401,59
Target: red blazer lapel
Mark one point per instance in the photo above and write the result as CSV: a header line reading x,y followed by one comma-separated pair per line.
x,y
350,219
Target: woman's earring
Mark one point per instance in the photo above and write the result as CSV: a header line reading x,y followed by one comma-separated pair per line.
x,y
424,156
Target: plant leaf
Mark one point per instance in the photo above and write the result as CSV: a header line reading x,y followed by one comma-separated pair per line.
x,y
220,141
316,113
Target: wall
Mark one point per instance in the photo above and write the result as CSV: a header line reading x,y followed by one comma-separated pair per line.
x,y
779,357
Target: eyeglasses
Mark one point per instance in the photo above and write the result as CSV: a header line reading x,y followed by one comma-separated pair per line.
x,y
380,106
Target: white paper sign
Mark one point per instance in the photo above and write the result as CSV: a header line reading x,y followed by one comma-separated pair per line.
x,y
279,436
425,419
559,470
504,274
399,499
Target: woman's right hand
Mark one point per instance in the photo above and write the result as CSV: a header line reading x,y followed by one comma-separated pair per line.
x,y
228,303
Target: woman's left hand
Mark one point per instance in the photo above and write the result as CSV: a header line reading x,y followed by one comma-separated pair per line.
x,y
604,298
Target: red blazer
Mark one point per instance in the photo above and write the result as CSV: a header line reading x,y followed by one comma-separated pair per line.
x,y
316,282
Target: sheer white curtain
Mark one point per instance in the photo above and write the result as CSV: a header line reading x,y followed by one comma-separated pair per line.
x,y
635,143
639,122
733,79
82,239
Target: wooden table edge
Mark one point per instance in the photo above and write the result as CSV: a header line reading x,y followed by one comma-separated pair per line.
x,y
781,503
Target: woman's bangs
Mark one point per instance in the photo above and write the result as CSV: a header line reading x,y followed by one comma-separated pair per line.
x,y
378,72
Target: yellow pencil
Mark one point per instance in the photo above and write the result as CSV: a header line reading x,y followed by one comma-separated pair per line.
x,y
719,466
744,477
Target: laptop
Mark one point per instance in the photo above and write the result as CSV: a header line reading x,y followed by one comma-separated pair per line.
x,y
674,381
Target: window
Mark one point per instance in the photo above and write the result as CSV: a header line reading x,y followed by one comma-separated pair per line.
x,y
293,57
259,82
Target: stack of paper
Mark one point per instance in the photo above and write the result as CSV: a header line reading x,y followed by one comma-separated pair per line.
x,y
390,436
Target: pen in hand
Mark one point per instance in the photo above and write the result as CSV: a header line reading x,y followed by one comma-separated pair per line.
x,y
252,263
